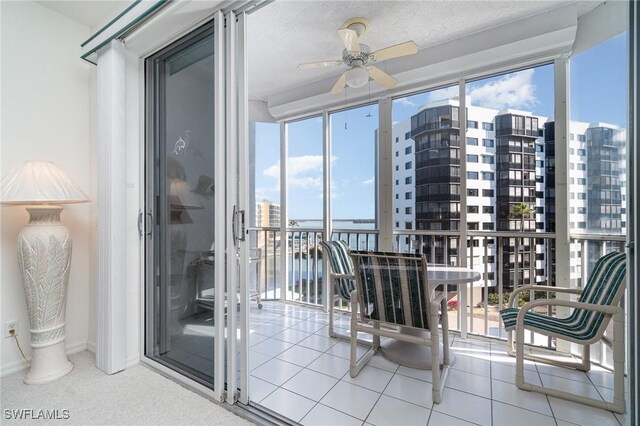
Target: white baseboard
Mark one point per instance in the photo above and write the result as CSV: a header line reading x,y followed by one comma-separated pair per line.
x,y
18,365
91,346
131,361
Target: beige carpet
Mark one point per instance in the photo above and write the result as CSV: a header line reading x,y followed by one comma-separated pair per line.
x,y
136,396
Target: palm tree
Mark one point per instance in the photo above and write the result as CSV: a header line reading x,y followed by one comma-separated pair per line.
x,y
520,211
293,223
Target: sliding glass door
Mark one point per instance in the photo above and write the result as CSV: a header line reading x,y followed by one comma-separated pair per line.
x,y
181,170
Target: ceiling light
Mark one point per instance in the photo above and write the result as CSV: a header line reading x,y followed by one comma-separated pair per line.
x,y
357,76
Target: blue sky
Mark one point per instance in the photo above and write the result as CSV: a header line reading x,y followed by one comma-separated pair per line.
x,y
598,93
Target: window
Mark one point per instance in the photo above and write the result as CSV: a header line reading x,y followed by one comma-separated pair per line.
x,y
582,196
487,126
582,152
472,192
472,209
407,150
397,168
487,143
397,210
407,165
408,210
540,179
487,192
408,225
488,159
397,153
397,182
471,158
539,163
487,226
472,175
397,196
407,135
488,176
408,195
408,180
472,124
487,209
473,226
397,139
472,141
539,148
397,224
582,166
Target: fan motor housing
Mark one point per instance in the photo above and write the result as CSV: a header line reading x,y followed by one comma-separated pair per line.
x,y
348,57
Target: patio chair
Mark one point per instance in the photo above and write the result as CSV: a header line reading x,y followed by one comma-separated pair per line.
x,y
341,278
599,300
393,299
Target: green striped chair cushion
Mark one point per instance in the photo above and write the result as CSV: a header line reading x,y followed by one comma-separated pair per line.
x,y
602,288
394,288
342,264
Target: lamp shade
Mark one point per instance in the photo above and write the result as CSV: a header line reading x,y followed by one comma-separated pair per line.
x,y
181,197
39,182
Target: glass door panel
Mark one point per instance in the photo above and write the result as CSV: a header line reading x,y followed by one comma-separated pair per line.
x,y
181,165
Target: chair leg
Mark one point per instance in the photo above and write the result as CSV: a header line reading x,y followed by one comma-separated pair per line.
x,y
585,365
436,393
355,364
445,334
519,356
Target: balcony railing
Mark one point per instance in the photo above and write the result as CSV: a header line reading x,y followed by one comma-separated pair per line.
x,y
505,261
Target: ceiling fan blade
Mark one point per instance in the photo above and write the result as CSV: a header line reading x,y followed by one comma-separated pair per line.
x,y
382,77
323,64
402,49
339,86
350,39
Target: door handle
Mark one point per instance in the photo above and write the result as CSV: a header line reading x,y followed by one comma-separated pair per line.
x,y
141,226
237,225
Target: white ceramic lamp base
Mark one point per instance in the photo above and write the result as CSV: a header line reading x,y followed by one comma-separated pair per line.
x,y
44,256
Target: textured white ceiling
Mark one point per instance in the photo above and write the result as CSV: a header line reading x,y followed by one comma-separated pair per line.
x,y
286,33
92,13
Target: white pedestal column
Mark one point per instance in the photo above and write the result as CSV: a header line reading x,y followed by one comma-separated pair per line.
x,y
44,256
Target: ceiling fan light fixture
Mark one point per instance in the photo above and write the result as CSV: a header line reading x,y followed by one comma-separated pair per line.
x,y
357,76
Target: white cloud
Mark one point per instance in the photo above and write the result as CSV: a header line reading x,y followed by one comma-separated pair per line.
x,y
515,90
304,171
440,94
369,181
405,102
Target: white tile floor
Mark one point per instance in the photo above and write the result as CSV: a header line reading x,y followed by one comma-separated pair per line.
x,y
302,374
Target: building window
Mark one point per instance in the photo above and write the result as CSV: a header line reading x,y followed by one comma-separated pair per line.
x,y
397,210
582,166
408,195
488,176
539,148
471,158
472,209
582,196
407,165
397,139
539,210
487,226
487,209
487,142
408,210
407,135
472,192
539,163
472,175
487,126
407,150
408,225
397,153
540,179
487,192
397,196
473,226
397,224
472,141
472,124
582,138
408,180
397,168
487,159
397,182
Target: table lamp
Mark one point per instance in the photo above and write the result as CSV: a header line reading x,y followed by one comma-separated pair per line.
x,y
44,257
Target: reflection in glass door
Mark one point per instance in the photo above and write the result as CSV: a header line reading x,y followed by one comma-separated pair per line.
x,y
181,256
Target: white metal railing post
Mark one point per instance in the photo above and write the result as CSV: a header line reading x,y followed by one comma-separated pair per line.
x,y
462,244
326,204
563,242
385,175
284,214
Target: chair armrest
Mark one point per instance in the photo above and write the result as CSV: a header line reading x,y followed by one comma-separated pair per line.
x,y
606,309
512,298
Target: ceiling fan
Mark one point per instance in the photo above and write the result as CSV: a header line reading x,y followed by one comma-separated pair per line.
x,y
359,57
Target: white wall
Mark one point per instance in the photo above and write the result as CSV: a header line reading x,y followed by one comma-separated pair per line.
x,y
46,108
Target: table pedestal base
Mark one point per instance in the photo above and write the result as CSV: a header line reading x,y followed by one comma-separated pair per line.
x,y
412,354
